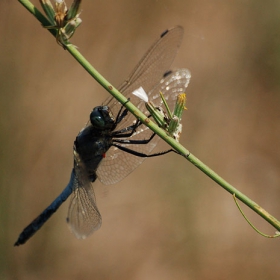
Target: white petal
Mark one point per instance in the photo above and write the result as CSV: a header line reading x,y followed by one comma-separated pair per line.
x,y
140,92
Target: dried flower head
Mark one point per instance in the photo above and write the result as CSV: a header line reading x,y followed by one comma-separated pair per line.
x,y
64,20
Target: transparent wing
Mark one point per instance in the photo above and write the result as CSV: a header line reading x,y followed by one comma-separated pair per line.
x,y
83,215
118,164
149,71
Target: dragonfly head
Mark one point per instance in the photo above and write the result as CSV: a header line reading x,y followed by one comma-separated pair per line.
x,y
102,118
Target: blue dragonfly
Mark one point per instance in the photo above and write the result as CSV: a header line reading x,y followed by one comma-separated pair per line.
x,y
114,142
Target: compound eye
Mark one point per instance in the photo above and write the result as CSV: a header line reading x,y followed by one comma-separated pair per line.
x,y
101,118
96,118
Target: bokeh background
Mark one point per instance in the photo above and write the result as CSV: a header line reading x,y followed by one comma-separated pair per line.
x,y
166,220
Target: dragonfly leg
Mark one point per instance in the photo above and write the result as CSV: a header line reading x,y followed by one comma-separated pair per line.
x,y
132,128
132,152
122,113
127,141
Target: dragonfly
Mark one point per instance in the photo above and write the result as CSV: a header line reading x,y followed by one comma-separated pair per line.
x,y
114,142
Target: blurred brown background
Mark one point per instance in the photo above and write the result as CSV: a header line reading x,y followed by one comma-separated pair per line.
x,y
167,220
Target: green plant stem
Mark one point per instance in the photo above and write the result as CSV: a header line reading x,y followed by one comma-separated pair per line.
x,y
134,110
277,234
34,11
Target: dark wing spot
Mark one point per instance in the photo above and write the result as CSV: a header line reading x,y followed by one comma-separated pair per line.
x,y
167,73
164,33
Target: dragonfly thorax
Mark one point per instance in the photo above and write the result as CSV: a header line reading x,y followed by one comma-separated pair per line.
x,y
101,118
